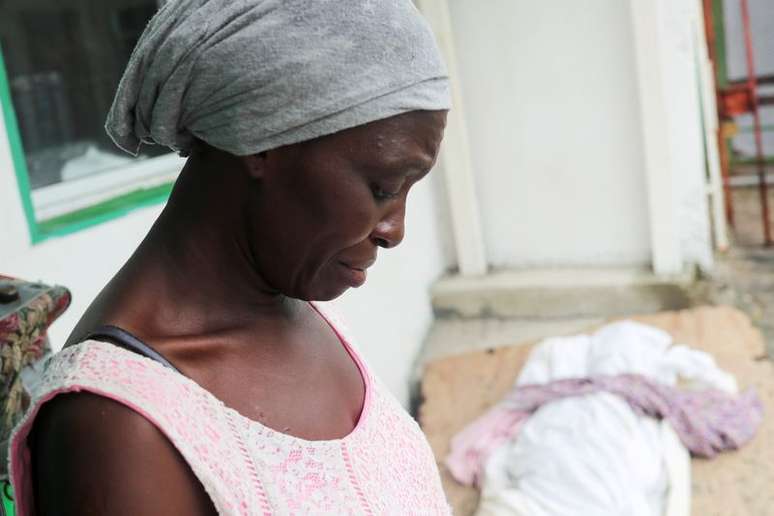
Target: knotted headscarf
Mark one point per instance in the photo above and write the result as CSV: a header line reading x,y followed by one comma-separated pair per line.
x,y
250,75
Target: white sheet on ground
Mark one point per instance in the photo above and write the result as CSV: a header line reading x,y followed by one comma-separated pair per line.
x,y
592,455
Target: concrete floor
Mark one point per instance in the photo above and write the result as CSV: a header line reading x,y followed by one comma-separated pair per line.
x,y
743,276
748,227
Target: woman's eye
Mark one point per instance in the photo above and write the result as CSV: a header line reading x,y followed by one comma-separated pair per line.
x,y
382,194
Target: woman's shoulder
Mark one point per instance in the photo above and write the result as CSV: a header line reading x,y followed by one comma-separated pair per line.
x,y
113,414
99,455
104,368
150,390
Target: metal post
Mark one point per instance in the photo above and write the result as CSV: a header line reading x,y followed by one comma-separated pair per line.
x,y
752,85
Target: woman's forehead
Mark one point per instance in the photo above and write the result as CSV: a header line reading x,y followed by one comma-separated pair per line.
x,y
408,140
415,128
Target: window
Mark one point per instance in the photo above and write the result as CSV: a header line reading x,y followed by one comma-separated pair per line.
x,y
60,63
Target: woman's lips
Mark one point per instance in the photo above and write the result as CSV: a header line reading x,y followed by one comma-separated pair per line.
x,y
355,276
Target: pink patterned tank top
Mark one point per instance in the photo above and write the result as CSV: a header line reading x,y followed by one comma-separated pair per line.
x,y
384,466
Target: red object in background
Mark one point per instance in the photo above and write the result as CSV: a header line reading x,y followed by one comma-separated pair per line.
x,y
752,86
736,100
740,98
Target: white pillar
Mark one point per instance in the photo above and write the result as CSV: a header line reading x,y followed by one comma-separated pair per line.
x,y
455,154
711,129
649,40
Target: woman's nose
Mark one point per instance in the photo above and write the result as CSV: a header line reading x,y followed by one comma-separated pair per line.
x,y
389,231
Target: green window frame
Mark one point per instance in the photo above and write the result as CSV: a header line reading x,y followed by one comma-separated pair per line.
x,y
77,220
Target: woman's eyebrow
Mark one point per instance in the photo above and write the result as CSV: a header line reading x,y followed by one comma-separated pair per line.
x,y
409,165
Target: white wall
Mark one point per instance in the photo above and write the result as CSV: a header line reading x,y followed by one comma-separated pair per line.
x,y
389,315
552,106
83,261
550,96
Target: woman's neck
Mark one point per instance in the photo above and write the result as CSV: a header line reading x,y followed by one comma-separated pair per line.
x,y
194,273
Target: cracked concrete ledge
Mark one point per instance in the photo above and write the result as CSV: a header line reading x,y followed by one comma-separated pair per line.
x,y
561,293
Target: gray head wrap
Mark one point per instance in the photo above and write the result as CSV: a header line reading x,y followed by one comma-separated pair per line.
x,y
250,75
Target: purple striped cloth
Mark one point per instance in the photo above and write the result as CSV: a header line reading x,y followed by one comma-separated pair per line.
x,y
707,421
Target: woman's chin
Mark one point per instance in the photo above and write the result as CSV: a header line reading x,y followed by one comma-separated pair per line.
x,y
326,292
331,293
329,284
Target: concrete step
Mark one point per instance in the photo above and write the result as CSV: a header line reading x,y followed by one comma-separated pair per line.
x,y
454,336
449,337
560,293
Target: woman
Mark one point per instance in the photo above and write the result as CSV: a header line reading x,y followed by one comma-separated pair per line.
x,y
306,123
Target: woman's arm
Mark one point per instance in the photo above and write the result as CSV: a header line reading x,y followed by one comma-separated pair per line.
x,y
95,456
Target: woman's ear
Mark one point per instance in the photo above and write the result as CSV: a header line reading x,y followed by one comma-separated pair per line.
x,y
255,165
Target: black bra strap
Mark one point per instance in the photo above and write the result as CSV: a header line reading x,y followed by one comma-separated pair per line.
x,y
126,340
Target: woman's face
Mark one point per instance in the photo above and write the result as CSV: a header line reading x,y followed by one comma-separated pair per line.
x,y
320,209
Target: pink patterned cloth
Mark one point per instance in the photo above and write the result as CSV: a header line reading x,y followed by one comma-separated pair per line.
x,y
707,421
384,466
